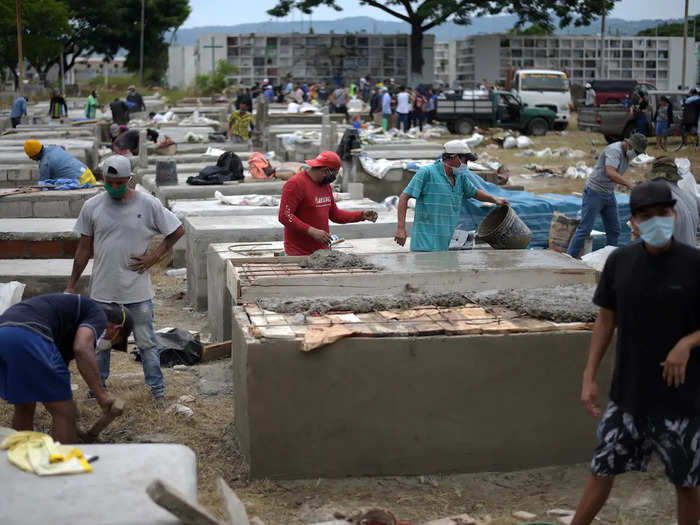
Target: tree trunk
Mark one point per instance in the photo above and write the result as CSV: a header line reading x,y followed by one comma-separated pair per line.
x,y
417,50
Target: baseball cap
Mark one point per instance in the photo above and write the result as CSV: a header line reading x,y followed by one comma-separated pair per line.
x,y
456,147
116,167
32,147
664,168
650,194
327,159
638,142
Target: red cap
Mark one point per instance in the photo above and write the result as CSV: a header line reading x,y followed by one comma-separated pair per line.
x,y
326,159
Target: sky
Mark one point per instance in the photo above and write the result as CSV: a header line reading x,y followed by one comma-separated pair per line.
x,y
231,12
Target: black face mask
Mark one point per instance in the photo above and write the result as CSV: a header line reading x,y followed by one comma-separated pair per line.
x,y
329,179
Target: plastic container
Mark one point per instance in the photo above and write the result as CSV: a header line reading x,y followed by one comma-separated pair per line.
x,y
504,230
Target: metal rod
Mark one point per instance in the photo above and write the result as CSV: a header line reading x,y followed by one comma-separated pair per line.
x,y
20,58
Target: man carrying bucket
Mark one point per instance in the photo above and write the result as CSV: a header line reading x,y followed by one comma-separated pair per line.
x,y
439,190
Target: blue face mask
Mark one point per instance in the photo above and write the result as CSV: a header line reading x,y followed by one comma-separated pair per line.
x,y
657,231
460,170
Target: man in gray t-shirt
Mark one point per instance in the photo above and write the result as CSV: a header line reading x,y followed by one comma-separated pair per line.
x,y
117,227
599,192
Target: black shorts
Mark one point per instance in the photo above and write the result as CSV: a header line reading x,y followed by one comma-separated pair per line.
x,y
626,442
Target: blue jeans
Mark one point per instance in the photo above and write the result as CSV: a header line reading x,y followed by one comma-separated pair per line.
x,y
403,119
145,336
595,204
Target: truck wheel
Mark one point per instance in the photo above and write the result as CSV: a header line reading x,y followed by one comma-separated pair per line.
x,y
451,127
629,129
537,127
464,126
560,126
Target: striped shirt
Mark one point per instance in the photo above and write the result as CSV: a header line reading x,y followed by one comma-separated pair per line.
x,y
438,205
240,124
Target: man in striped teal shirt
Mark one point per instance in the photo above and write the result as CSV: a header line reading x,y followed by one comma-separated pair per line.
x,y
439,190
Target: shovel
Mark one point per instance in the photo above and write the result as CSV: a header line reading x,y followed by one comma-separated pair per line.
x,y
115,410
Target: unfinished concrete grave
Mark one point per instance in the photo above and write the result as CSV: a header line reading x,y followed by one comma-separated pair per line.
x,y
203,231
186,191
43,275
408,391
436,272
219,297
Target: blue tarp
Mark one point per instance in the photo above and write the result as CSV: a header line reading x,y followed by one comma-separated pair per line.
x,y
536,211
64,184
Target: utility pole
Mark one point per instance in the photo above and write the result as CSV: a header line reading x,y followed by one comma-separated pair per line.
x,y
143,9
19,49
685,41
602,43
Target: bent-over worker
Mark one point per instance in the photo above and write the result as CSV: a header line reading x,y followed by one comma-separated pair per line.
x,y
599,191
127,142
117,227
38,339
307,204
56,163
439,190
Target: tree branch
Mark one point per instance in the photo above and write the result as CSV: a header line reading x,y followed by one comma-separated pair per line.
x,y
409,8
439,20
384,8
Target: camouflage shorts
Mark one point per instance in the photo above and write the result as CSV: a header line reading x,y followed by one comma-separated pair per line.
x,y
626,442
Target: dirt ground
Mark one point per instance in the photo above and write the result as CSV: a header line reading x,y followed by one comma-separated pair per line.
x,y
645,499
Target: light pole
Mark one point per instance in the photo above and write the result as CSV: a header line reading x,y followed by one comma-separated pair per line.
x,y
143,9
19,49
685,41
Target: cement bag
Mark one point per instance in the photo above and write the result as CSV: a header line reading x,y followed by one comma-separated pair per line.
x,y
10,293
597,259
561,231
510,143
523,142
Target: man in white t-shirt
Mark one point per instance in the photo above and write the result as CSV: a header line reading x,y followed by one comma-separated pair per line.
x,y
116,227
403,108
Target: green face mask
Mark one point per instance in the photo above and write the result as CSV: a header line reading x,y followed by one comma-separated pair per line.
x,y
115,193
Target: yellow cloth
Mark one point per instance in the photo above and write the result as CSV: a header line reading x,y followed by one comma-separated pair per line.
x,y
240,124
32,147
87,178
38,453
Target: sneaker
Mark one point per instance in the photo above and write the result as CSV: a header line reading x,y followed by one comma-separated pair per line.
x,y
160,402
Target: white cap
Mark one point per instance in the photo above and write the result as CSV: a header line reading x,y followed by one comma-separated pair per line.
x,y
116,167
265,81
587,85
456,147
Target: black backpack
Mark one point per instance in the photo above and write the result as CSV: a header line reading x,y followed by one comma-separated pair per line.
x,y
230,162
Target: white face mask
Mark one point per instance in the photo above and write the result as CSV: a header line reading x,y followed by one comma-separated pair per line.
x,y
103,344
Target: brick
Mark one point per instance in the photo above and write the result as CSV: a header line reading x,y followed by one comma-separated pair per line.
x,y
69,248
59,208
10,249
45,249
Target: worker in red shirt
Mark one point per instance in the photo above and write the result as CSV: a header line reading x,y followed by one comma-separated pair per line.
x,y
307,204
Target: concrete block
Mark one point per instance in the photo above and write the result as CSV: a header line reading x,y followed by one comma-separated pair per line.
x,y
423,405
19,175
118,482
17,208
43,275
53,208
37,229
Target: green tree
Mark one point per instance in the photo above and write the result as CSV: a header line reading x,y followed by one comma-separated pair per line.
x,y
673,29
216,81
423,15
45,29
533,30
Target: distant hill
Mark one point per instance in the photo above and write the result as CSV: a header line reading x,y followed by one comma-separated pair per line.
x,y
447,31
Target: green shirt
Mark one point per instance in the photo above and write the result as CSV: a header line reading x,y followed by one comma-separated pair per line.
x,y
438,205
91,107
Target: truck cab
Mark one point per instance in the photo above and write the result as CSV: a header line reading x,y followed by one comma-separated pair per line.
x,y
545,88
489,109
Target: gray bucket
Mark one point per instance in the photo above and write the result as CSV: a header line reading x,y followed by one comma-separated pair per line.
x,y
504,230
166,172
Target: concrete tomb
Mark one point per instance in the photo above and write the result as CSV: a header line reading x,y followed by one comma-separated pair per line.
x,y
114,493
50,203
218,295
409,391
203,231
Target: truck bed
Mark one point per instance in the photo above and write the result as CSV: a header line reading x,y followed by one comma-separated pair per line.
x,y
612,120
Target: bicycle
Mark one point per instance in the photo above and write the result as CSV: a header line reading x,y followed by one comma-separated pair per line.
x,y
678,136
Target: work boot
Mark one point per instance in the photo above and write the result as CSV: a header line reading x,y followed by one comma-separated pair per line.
x,y
160,402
